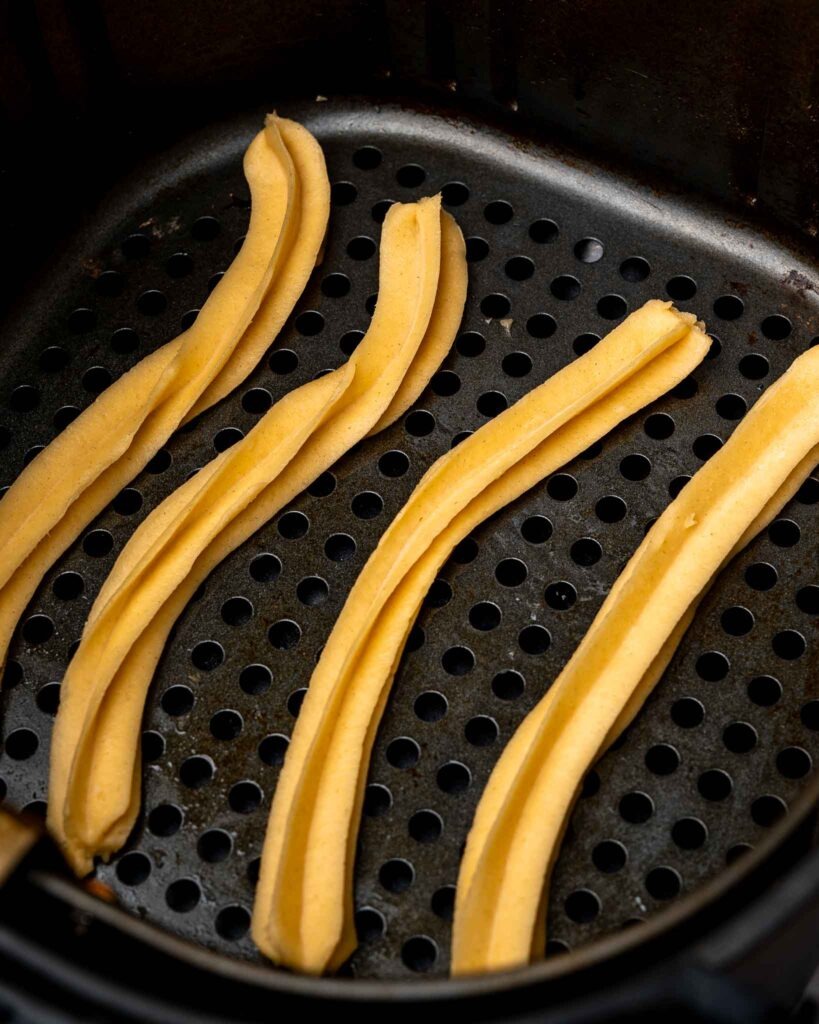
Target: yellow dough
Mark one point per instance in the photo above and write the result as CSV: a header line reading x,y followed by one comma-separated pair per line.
x,y
303,913
520,819
84,468
503,775
265,451
94,795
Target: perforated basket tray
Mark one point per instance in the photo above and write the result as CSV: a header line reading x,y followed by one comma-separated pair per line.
x,y
558,254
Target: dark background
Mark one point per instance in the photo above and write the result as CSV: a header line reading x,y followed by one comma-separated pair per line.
x,y
721,98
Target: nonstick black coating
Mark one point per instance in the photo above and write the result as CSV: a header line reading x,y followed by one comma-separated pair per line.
x,y
558,254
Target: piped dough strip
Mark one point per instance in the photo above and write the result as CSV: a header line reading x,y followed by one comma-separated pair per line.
x,y
310,832
110,442
510,850
503,775
95,765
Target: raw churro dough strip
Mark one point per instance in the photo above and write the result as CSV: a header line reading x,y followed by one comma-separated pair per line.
x,y
105,447
715,513
503,775
296,921
389,632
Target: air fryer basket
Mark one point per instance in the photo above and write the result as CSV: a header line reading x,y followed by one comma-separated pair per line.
x,y
559,250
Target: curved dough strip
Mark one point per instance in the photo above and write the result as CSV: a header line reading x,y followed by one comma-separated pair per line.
x,y
503,775
297,920
388,633
715,513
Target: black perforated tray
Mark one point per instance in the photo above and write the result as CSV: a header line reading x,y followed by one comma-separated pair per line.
x,y
559,252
